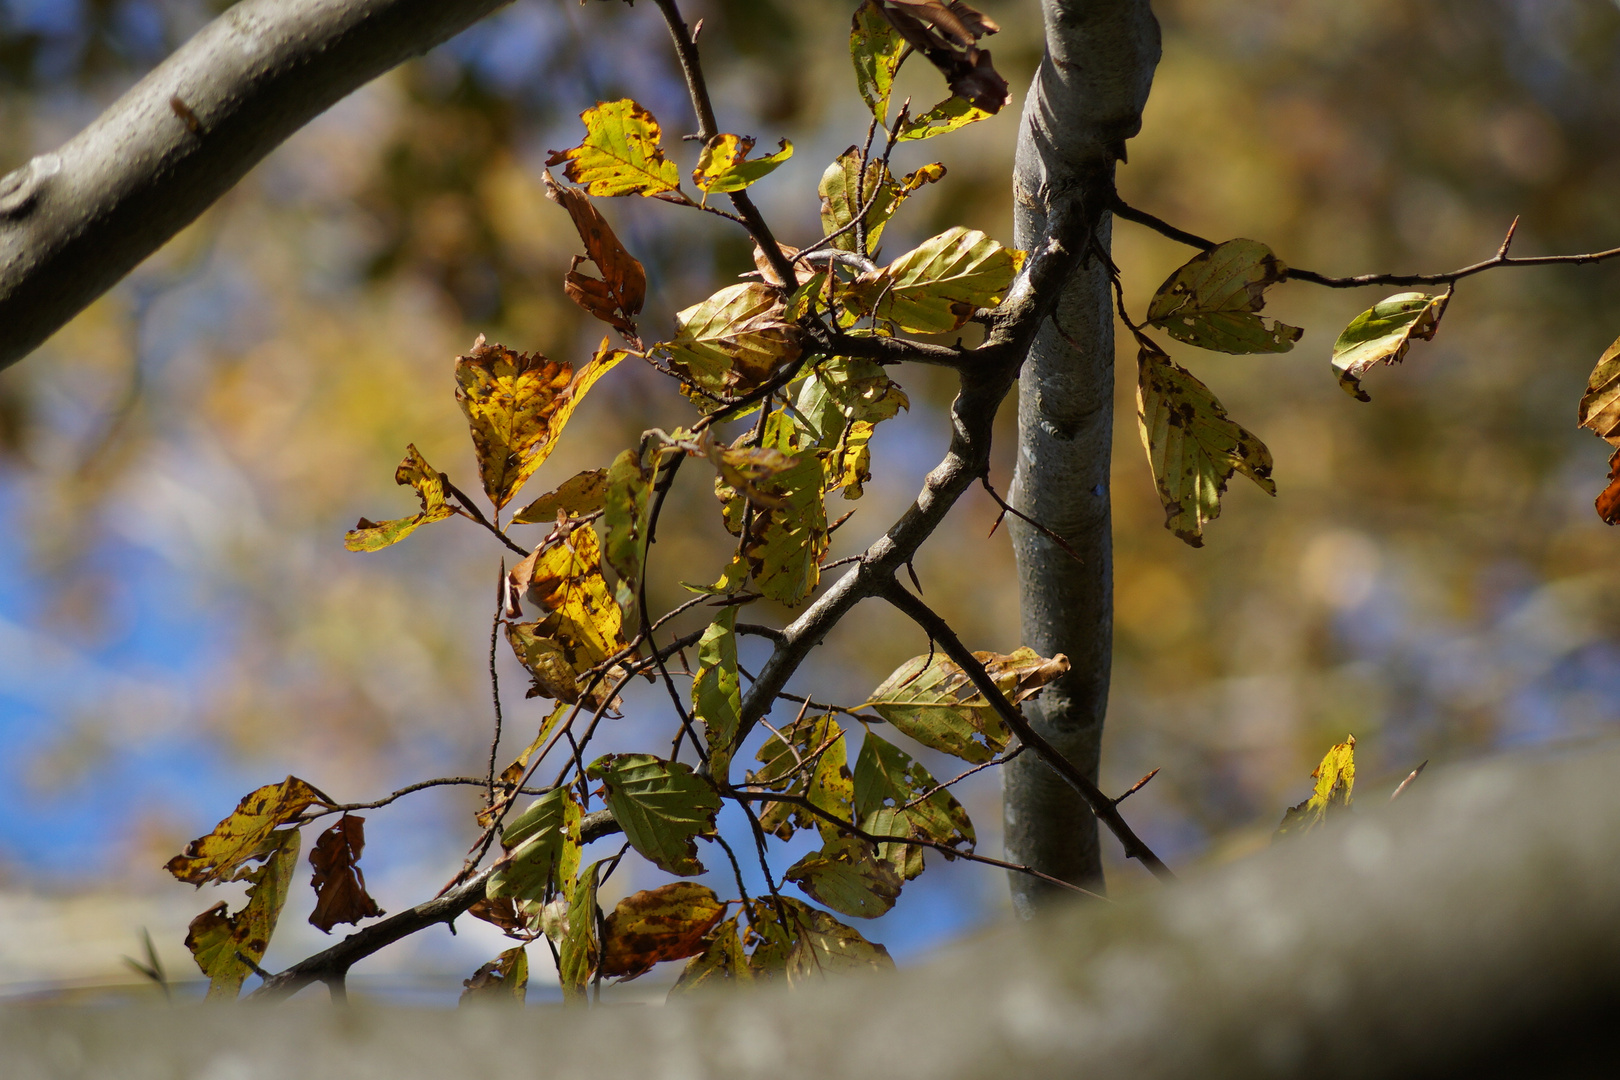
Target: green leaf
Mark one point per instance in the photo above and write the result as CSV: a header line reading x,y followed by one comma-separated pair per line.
x,y
248,835
876,49
650,927
848,876
661,806
578,946
503,979
1211,301
542,849
627,505
581,494
1192,447
952,114
788,535
844,193
936,288
218,941
734,341
722,963
1335,782
830,788
790,762
622,153
414,472
1383,334
840,391
810,945
717,690
723,166
931,699
887,782
513,774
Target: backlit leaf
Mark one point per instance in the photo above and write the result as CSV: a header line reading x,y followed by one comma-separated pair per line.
x,y
717,690
734,341
952,114
666,923
584,622
581,494
503,979
722,963
626,508
1600,411
621,154
542,850
887,782
339,883
414,472
876,49
787,535
219,940
577,943
831,789
849,465
791,762
841,390
617,296
947,34
844,193
1192,447
247,835
848,876
517,405
662,806
1383,334
936,287
1212,301
723,165
1335,782
933,701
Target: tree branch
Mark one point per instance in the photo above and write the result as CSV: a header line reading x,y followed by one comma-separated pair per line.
x,y
76,220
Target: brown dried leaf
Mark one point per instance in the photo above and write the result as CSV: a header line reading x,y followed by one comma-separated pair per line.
x,y
340,886
616,297
948,34
649,927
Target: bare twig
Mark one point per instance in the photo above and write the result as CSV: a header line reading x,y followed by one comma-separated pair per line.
x,y
957,779
1411,776
494,676
1134,788
1008,508
469,509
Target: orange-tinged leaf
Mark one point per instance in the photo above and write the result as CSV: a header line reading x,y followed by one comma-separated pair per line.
x,y
248,835
414,472
723,165
219,940
621,154
581,494
1335,783
616,297
1600,412
340,886
649,927
517,405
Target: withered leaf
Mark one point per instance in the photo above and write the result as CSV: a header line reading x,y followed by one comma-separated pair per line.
x,y
584,624
218,939
503,979
932,700
581,494
616,297
340,886
734,341
1335,780
1213,300
649,927
248,835
947,34
723,165
414,472
723,962
1383,334
1600,412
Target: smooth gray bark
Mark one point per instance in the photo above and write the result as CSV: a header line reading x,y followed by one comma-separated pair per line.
x,y
1468,930
76,220
1086,100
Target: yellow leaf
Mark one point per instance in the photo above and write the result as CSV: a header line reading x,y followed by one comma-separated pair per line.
x,y
1335,782
621,154
655,925
1600,411
932,700
247,835
844,193
734,341
787,536
724,166
517,405
219,941
583,625
937,287
581,494
952,114
1192,447
414,472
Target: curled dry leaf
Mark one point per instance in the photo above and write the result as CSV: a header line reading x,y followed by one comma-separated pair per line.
x,y
503,979
339,884
413,472
1600,412
248,835
734,341
622,153
581,494
948,34
936,288
655,925
1192,447
1382,334
1212,301
617,296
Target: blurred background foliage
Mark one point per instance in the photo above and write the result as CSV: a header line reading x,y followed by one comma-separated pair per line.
x,y
179,621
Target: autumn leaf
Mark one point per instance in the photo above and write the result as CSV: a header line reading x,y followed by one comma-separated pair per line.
x,y
650,927
931,699
952,114
723,164
787,535
513,774
845,191
551,672
578,945
948,34
792,765
1211,301
248,835
581,494
1383,333
894,795
722,963
414,472
219,940
517,405
1600,412
809,945
841,390
541,849
734,341
1192,447
584,625
503,979
876,49
625,515
616,297
1335,782
937,287
848,876
339,884
621,154
717,690
662,806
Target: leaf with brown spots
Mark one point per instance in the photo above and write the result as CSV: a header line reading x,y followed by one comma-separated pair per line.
x,y
889,790
649,927
248,835
734,341
723,165
1192,446
1600,412
1383,334
584,624
1335,780
810,945
581,494
414,472
616,297
722,963
932,700
340,886
517,404
503,979
1212,301
622,154
219,940
936,287
849,876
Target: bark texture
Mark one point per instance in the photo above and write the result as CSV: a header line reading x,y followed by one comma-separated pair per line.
x,y
75,220
1086,100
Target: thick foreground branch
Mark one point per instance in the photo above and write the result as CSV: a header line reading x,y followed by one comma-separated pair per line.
x,y
75,220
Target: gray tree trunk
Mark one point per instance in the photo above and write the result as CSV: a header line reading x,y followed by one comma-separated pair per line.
x,y
1086,100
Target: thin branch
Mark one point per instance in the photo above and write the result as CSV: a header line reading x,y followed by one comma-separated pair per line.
x,y
1134,788
1008,508
469,509
1411,776
957,779
495,678
422,785
1101,805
